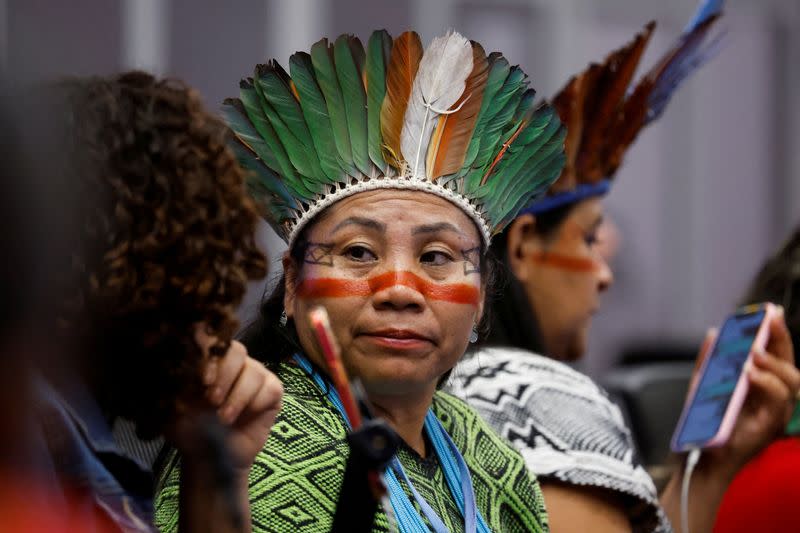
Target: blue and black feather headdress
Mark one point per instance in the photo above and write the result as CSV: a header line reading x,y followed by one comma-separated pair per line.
x,y
604,112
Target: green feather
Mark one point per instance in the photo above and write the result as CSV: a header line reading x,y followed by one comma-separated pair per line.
x,y
501,112
329,84
355,100
252,105
490,141
378,50
285,116
316,115
527,166
498,73
525,150
519,178
273,197
235,116
528,150
546,173
540,119
531,176
275,88
524,112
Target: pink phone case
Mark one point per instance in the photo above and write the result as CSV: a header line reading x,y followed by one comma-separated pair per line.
x,y
739,392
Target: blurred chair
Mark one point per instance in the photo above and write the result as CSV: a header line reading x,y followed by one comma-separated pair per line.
x,y
650,385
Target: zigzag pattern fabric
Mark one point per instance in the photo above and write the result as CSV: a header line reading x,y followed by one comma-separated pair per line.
x,y
450,120
294,485
564,425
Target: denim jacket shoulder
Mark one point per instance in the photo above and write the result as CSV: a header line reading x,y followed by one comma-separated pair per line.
x,y
87,460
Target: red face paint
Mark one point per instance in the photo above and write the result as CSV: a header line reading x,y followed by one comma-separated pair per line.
x,y
566,262
460,293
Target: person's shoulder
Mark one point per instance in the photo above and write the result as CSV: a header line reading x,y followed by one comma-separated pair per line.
x,y
564,424
492,377
491,367
763,495
776,468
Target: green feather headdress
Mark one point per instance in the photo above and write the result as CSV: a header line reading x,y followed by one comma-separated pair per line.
x,y
450,121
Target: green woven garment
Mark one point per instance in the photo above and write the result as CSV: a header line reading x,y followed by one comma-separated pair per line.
x,y
294,484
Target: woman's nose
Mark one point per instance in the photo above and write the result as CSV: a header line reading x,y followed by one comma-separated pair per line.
x,y
605,277
398,290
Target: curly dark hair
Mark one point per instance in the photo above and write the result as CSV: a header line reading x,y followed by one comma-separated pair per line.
x,y
167,240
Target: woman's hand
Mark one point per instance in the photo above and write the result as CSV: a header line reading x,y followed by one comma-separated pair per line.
x,y
242,396
247,398
774,385
218,439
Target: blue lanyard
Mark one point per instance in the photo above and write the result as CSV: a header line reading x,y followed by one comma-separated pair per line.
x,y
455,470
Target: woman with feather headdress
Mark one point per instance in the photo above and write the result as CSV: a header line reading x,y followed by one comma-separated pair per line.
x,y
571,435
387,171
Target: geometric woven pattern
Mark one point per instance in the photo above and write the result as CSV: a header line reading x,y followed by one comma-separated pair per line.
x,y
295,481
565,426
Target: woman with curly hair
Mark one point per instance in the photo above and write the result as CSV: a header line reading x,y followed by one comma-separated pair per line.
x,y
165,247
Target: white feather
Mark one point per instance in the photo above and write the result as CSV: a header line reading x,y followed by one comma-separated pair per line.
x,y
440,82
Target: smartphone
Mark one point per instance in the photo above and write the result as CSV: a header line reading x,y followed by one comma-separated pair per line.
x,y
717,394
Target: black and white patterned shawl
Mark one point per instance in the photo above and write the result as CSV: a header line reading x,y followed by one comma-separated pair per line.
x,y
563,423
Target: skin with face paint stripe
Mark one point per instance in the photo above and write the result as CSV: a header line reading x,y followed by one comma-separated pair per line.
x,y
402,285
563,276
344,288
569,263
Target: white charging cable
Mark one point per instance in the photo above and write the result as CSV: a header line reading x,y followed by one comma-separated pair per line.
x,y
691,462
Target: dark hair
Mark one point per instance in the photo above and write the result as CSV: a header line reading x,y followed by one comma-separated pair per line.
x,y
167,240
513,319
265,338
272,343
778,282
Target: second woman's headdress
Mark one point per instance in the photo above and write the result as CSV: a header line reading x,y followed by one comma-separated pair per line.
x,y
604,112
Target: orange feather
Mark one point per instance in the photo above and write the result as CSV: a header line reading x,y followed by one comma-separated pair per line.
x,y
454,131
603,100
400,73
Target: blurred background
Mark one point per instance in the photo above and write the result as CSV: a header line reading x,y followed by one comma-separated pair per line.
x,y
704,195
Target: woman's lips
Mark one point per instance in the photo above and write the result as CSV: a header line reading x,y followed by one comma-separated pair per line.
x,y
397,339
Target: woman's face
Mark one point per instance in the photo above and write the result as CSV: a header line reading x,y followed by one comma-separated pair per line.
x,y
563,275
399,273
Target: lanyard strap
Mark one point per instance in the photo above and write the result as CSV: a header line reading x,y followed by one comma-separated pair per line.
x,y
455,470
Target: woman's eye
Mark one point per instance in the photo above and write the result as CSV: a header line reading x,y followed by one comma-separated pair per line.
x,y
591,239
436,258
359,253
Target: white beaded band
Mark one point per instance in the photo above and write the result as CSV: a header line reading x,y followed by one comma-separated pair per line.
x,y
397,182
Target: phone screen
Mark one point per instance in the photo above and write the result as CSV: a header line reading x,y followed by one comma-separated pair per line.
x,y
724,366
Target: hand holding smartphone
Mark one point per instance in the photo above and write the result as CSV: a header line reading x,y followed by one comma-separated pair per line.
x,y
717,394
